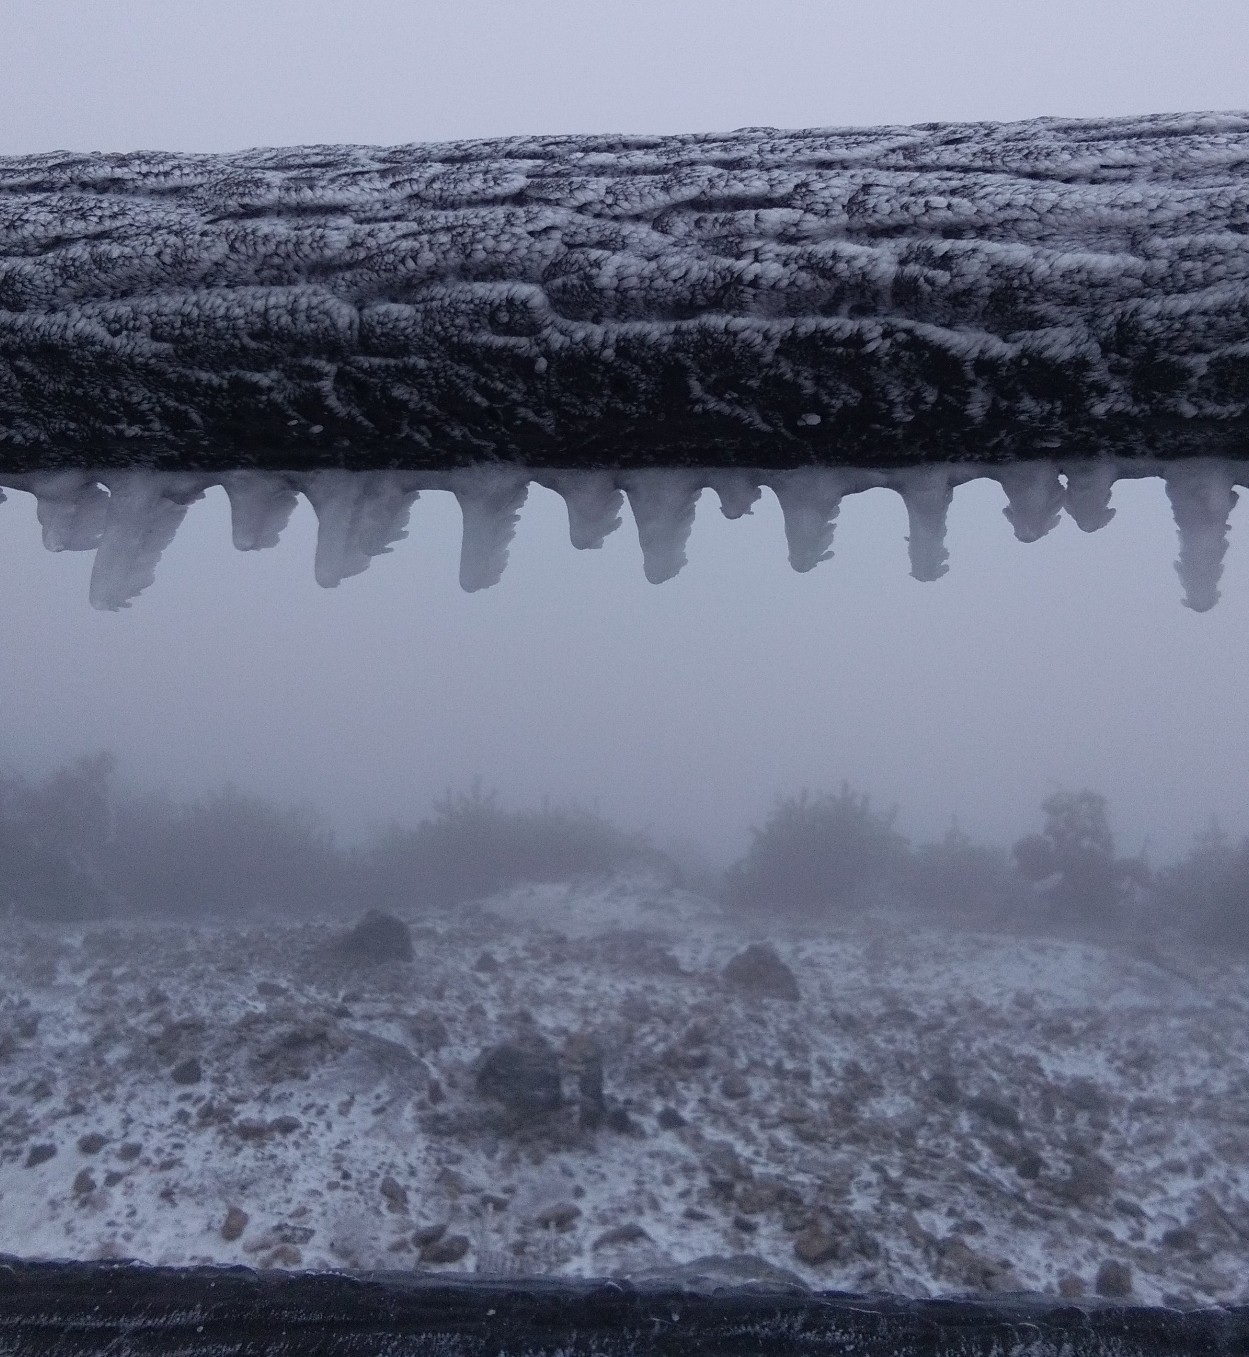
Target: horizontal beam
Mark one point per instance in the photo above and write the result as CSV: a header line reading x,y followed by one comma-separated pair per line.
x,y
878,297
68,1309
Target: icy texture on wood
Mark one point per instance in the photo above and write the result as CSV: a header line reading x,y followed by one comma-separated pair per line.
x,y
80,1308
128,517
878,297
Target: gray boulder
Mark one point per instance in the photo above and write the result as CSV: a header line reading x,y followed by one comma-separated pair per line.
x,y
758,971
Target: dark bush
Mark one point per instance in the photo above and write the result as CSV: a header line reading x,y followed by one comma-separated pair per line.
x,y
962,879
77,846
226,854
1072,861
53,840
819,853
1206,894
471,847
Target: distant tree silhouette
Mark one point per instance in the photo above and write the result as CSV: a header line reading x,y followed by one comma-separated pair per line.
x,y
1073,859
820,852
957,876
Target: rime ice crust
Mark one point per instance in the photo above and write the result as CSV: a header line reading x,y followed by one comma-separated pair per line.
x,y
877,296
128,517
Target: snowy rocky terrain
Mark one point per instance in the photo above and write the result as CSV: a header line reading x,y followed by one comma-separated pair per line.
x,y
936,1112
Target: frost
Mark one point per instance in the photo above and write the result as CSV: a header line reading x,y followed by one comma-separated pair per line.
x,y
71,507
739,491
144,512
1201,498
1034,497
927,493
261,504
129,517
359,515
1087,498
856,293
490,500
810,500
663,505
594,503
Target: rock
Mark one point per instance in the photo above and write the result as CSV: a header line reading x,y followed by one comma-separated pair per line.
x,y
1029,1165
632,1233
745,1224
765,1194
112,1177
92,1143
735,1086
396,1195
715,1271
428,1234
618,1119
84,1183
1084,1095
944,1087
1071,1287
760,972
234,1224
817,1244
1090,1178
376,939
447,1249
129,1151
523,1075
584,1057
39,1154
188,1072
669,1119
558,1216
285,1256
995,1113
1180,1238
486,963
974,1271
251,1129
1114,1279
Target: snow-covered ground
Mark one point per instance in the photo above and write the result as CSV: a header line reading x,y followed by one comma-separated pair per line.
x,y
939,1111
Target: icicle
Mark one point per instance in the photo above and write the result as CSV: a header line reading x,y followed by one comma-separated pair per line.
x,y
1201,498
70,506
810,500
739,491
1034,497
593,500
1089,486
663,504
490,499
144,512
359,514
261,504
927,491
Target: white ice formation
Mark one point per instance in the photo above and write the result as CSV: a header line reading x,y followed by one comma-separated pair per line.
x,y
128,517
831,296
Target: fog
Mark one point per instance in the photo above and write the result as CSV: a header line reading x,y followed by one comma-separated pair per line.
x,y
685,708
476,962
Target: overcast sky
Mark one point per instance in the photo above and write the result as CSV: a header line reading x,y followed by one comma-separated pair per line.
x,y
684,707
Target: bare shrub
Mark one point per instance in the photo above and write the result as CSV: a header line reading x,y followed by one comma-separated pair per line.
x,y
472,847
819,853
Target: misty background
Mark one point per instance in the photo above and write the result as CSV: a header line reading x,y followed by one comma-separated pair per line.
x,y
682,710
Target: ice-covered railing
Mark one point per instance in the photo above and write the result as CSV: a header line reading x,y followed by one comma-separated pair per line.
x,y
885,296
128,517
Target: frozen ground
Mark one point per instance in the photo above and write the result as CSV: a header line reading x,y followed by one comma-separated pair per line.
x,y
938,1112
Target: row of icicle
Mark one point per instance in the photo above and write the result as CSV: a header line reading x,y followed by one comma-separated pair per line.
x,y
129,517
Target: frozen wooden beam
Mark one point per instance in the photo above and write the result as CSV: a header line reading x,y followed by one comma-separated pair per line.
x,y
879,297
